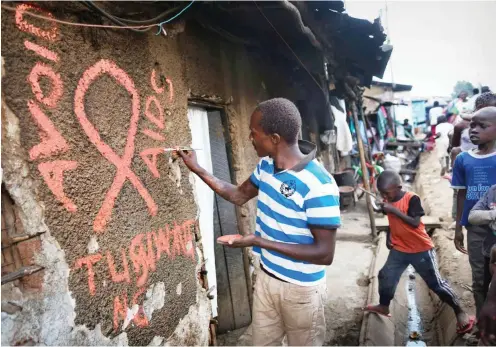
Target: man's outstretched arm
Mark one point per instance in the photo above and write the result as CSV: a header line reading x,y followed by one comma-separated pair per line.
x,y
238,195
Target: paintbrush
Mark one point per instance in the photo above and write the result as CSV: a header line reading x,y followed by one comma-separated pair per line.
x,y
182,148
369,193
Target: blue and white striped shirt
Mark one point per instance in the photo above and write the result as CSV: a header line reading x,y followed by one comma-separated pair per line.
x,y
290,202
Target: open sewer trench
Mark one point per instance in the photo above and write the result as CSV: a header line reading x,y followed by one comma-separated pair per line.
x,y
418,317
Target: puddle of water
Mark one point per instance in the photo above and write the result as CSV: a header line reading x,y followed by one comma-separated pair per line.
x,y
415,328
416,343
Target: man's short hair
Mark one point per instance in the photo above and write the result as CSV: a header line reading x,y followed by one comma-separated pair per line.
x,y
475,91
280,116
485,100
436,103
387,179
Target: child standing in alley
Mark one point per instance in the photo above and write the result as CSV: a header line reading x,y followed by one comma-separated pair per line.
x,y
474,172
410,246
484,214
443,128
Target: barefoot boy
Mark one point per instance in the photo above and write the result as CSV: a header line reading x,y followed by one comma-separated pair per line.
x,y
411,246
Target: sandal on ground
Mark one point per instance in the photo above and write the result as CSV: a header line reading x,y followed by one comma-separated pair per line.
x,y
468,327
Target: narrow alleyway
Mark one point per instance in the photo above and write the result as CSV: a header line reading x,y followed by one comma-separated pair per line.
x,y
348,278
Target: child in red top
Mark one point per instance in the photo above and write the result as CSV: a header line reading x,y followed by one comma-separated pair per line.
x,y
410,246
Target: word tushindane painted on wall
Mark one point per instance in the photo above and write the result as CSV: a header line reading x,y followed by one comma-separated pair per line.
x,y
174,240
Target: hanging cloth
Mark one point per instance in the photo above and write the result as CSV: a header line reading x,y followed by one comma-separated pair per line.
x,y
344,141
381,122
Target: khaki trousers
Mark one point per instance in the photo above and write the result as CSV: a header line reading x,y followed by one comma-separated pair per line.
x,y
285,309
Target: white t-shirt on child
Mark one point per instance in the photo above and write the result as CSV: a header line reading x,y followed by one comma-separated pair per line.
x,y
443,130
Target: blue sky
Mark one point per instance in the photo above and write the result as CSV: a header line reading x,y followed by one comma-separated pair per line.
x,y
436,43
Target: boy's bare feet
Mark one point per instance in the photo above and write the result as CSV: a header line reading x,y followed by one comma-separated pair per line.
x,y
464,323
379,309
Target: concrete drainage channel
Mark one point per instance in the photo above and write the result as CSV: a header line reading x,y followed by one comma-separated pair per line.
x,y
419,318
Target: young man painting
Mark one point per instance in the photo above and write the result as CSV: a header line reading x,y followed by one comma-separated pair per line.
x,y
297,217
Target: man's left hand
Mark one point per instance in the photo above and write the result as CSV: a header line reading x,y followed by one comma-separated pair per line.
x,y
245,241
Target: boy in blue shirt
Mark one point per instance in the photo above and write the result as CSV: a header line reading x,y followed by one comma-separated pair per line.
x,y
473,173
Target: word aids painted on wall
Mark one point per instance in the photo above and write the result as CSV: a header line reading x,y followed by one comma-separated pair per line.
x,y
52,141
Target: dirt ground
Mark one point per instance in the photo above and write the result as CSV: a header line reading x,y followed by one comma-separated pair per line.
x,y
347,283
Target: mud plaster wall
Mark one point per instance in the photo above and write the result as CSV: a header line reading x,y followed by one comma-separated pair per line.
x,y
125,272
242,79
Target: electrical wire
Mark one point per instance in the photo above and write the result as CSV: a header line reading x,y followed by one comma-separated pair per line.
x,y
39,16
173,17
92,6
292,51
144,22
138,28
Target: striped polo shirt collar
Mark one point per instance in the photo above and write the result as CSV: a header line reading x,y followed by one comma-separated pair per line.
x,y
310,150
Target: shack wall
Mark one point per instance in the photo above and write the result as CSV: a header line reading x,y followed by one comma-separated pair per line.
x,y
111,219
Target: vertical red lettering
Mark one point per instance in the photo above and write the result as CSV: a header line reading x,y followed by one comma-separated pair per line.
x,y
162,242
41,51
188,238
171,89
178,246
153,82
140,318
120,310
149,156
142,261
123,163
48,34
150,254
51,140
39,70
89,261
157,119
53,174
114,275
138,259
